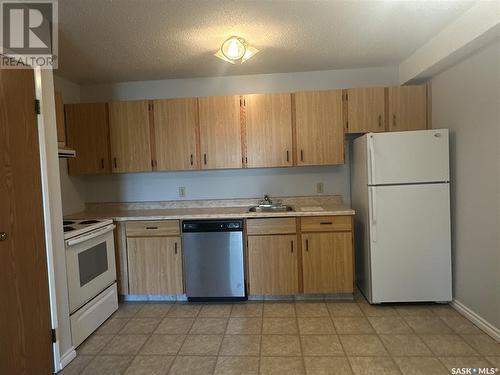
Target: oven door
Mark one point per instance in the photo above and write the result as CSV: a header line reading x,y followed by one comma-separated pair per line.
x,y
90,265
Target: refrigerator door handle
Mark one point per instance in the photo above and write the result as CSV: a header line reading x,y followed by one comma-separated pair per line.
x,y
371,154
373,207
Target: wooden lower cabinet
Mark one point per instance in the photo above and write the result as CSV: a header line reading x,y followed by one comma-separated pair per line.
x,y
273,264
154,265
327,260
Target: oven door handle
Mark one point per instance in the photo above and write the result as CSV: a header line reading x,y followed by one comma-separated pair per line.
x,y
88,236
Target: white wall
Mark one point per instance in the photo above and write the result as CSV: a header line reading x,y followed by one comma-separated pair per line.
x,y
247,84
227,183
466,99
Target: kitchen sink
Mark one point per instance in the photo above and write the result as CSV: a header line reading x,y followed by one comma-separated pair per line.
x,y
270,208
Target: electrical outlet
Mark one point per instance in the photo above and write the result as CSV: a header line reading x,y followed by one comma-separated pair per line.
x,y
182,191
319,188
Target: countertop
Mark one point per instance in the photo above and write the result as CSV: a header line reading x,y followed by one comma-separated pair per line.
x,y
209,213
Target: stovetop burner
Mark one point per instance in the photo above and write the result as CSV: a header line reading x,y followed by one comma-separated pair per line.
x,y
85,222
68,222
68,229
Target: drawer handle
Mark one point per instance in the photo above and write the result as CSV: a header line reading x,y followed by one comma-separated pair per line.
x,y
151,227
326,223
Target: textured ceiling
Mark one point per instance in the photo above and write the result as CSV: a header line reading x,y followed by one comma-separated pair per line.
x,y
103,41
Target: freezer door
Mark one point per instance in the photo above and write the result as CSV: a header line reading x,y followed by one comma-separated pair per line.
x,y
408,157
410,243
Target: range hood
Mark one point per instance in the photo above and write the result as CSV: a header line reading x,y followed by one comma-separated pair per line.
x,y
64,152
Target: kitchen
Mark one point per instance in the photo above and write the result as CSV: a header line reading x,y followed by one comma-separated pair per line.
x,y
267,219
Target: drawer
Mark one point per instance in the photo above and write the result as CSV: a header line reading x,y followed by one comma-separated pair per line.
x,y
284,225
326,224
152,228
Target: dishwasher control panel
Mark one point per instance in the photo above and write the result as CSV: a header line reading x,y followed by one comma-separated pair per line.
x,y
212,225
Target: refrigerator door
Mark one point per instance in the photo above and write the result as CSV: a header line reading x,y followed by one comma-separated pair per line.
x,y
410,243
408,157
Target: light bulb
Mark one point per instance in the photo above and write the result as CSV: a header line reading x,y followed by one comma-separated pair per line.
x,y
233,48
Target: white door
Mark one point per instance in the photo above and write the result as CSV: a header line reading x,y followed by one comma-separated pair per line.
x,y
408,157
410,243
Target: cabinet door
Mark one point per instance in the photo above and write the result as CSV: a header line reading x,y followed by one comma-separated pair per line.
x,y
319,127
87,133
407,108
366,110
272,264
327,262
268,130
130,136
154,265
175,129
61,129
220,132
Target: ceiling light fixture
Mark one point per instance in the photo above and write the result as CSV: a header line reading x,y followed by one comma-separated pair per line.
x,y
235,50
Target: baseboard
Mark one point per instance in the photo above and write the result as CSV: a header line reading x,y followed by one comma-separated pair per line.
x,y
67,357
483,324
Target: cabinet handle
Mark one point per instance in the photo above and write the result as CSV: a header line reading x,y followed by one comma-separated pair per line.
x,y
102,163
394,120
3,236
301,155
191,159
307,245
291,246
205,158
325,223
379,120
151,227
115,163
175,247
287,156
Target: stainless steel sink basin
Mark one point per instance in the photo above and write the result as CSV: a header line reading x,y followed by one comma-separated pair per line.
x,y
270,208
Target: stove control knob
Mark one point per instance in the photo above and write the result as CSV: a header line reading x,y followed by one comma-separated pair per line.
x,y
3,236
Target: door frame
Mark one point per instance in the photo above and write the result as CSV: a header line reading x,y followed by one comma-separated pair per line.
x,y
52,208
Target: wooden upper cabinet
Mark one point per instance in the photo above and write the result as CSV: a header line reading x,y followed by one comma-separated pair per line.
x,y
327,262
407,108
176,133
130,136
220,132
61,128
366,110
319,127
268,130
88,134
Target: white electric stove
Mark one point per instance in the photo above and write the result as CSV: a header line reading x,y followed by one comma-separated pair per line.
x,y
91,274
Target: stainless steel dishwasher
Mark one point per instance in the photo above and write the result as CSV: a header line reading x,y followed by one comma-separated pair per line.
x,y
213,260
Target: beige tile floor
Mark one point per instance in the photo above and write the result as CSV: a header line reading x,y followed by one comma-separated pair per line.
x,y
314,337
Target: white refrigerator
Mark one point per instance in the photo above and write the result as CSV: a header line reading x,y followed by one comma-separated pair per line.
x,y
400,191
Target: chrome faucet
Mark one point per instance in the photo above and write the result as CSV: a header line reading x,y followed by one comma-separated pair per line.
x,y
267,201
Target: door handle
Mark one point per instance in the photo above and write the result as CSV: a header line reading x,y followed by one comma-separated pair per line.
x,y
301,155
205,158
191,159
287,156
3,236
